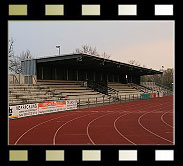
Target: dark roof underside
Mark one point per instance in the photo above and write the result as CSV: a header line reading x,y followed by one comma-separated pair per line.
x,y
86,61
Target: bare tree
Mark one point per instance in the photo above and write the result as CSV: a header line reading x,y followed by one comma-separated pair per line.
x,y
105,55
14,62
134,62
165,79
10,48
25,55
86,49
11,54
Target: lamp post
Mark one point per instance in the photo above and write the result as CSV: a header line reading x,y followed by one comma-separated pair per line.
x,y
58,49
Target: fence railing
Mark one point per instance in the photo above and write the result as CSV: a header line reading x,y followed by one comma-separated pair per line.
x,y
163,86
141,87
157,87
96,86
100,101
103,88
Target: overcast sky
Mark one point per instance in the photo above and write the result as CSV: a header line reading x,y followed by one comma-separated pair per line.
x,y
150,43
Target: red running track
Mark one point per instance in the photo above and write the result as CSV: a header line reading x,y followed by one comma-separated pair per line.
x,y
143,122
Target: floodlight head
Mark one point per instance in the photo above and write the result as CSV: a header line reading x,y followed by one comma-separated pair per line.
x,y
58,48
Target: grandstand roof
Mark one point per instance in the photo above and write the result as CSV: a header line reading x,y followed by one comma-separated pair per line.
x,y
90,61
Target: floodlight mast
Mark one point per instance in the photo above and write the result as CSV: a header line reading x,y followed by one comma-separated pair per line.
x,y
58,49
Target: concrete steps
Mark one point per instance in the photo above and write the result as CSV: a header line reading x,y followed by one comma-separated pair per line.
x,y
124,89
84,96
58,82
50,91
76,90
82,93
55,90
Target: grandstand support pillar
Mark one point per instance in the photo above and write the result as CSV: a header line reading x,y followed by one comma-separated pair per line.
x,y
77,75
42,73
67,72
19,78
55,73
86,76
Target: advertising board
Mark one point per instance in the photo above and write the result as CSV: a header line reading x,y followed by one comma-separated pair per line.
x,y
71,104
20,111
49,107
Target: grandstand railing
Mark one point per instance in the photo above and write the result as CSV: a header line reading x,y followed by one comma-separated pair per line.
x,y
104,100
103,88
163,86
101,101
141,87
157,87
96,86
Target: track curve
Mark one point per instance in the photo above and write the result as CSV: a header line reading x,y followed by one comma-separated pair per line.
x,y
133,123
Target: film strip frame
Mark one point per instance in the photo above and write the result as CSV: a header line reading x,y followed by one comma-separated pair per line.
x,y
95,9
82,155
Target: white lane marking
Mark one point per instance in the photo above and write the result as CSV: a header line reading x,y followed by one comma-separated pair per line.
x,y
114,126
131,106
87,129
120,132
37,126
164,120
54,137
139,121
129,113
140,111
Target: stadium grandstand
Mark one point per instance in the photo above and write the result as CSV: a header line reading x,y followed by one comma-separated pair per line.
x,y
82,77
80,99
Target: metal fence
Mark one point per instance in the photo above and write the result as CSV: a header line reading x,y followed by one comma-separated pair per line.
x,y
101,101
